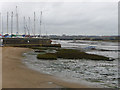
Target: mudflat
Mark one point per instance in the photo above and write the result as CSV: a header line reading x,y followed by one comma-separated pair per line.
x,y
16,75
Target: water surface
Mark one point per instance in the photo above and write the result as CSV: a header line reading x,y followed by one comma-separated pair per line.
x,y
98,73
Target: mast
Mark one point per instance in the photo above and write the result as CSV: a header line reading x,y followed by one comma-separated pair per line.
x,y
45,30
11,23
40,23
7,22
1,23
24,26
34,24
17,26
29,26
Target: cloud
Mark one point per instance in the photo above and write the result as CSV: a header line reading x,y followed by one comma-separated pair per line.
x,y
89,18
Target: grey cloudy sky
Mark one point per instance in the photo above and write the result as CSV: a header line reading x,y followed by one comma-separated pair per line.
x,y
71,18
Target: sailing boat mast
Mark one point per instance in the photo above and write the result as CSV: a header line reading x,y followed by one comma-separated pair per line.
x,y
17,26
40,23
24,26
11,23
45,30
34,24
1,23
7,22
29,25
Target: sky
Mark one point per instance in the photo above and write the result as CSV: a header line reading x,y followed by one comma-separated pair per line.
x,y
70,18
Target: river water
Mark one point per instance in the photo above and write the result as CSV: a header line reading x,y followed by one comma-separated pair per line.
x,y
91,72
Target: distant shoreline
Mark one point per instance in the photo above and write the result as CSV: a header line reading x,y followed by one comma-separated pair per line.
x,y
90,40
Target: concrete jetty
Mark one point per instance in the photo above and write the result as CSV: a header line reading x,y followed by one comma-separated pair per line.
x,y
28,42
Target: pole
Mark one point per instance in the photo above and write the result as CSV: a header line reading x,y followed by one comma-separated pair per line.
x,y
11,24
27,28
45,29
1,23
24,26
17,26
40,23
29,25
34,24
7,22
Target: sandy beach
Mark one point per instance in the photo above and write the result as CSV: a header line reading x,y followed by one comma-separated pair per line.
x,y
16,75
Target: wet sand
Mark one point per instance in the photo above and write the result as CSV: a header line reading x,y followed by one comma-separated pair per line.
x,y
16,75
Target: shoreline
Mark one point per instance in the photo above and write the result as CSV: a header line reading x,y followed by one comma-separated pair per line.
x,y
16,75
